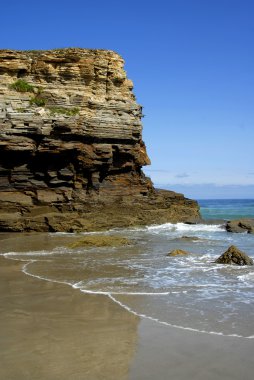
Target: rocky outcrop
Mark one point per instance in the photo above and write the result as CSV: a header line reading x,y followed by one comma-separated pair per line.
x,y
91,241
71,149
191,238
240,226
234,256
177,252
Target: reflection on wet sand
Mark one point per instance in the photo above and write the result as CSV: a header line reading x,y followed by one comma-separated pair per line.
x,y
50,331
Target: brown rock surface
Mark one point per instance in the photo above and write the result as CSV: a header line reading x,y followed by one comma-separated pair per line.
x,y
191,238
240,226
71,149
99,241
177,252
234,256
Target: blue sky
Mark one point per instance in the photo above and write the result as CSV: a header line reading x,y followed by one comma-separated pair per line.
x,y
192,63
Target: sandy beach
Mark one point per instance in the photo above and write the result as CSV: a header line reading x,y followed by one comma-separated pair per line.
x,y
51,331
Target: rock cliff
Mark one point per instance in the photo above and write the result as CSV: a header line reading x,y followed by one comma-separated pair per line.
x,y
71,148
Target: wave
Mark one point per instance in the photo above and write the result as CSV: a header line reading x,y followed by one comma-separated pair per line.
x,y
29,253
113,296
174,325
182,227
247,277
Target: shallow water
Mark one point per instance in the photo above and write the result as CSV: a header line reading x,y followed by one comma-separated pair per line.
x,y
188,292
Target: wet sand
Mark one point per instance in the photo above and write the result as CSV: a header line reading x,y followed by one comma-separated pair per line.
x,y
51,331
169,353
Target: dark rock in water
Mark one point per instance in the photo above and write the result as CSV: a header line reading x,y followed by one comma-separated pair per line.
x,y
240,226
191,238
234,256
177,252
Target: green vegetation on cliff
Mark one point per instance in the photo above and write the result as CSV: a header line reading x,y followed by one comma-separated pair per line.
x,y
22,86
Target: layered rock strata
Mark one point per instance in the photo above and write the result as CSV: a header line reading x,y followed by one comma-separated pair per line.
x,y
71,148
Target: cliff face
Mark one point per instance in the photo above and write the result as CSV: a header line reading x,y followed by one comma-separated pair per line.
x,y
71,148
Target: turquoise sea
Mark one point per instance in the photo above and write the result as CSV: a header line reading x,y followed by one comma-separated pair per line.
x,y
188,292
227,209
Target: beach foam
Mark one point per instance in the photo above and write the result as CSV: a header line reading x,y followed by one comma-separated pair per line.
x,y
113,296
183,227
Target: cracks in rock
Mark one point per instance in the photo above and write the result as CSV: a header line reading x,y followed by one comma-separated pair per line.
x,y
107,80
50,228
104,171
